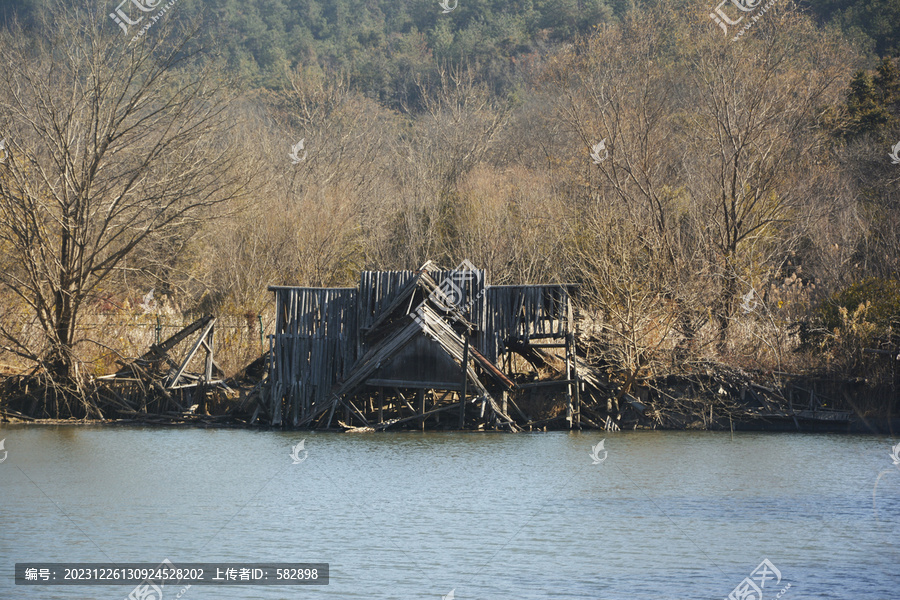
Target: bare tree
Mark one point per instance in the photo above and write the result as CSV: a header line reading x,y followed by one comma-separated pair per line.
x,y
620,95
755,137
635,316
705,145
437,150
112,146
464,119
616,93
510,223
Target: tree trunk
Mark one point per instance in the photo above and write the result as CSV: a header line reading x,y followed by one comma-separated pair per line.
x,y
724,312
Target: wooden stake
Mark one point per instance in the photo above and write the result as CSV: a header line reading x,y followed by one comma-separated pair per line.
x,y
421,395
381,405
569,408
465,382
577,380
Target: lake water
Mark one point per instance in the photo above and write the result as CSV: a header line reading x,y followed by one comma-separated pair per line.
x,y
415,515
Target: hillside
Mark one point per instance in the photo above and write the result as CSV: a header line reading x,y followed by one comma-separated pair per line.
x,y
385,46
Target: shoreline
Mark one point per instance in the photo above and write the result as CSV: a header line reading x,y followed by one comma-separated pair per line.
x,y
853,427
712,398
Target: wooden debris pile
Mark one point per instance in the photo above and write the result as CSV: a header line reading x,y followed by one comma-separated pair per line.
x,y
714,397
165,384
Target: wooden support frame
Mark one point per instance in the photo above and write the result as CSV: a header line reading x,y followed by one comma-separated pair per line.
x,y
205,340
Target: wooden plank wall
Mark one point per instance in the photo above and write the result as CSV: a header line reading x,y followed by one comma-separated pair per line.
x,y
314,346
524,312
378,289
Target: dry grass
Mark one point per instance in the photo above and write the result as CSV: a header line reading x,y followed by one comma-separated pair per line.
x,y
109,338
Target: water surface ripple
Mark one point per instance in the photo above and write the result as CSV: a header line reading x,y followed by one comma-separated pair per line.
x,y
667,515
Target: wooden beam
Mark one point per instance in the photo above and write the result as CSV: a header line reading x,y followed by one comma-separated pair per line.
x,y
158,350
522,414
407,292
392,422
548,383
403,383
194,348
209,353
574,375
405,401
352,409
570,410
546,345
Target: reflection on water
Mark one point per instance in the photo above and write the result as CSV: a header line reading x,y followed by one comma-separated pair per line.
x,y
665,515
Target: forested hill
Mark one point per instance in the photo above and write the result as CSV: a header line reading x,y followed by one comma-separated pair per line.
x,y
874,23
384,46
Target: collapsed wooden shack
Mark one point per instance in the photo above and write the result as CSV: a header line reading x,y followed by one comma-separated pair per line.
x,y
411,347
162,383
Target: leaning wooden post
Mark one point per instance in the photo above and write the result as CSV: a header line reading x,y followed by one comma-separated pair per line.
x,y
465,383
208,370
